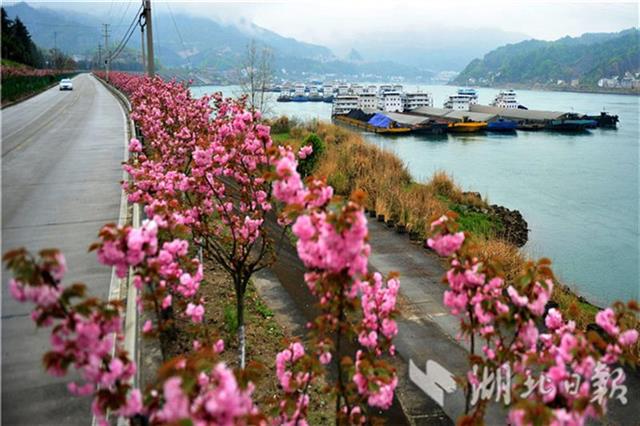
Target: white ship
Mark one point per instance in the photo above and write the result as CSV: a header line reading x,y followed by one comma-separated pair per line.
x,y
505,99
462,100
343,104
385,99
413,100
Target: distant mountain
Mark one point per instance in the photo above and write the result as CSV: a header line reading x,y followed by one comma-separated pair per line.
x,y
354,56
184,41
71,33
587,58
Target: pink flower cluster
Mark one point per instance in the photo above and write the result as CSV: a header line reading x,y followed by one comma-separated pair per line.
x,y
83,334
445,244
492,310
369,376
332,243
294,379
168,269
378,301
214,398
131,249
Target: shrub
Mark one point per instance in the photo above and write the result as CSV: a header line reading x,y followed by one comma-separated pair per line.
x,y
281,124
309,164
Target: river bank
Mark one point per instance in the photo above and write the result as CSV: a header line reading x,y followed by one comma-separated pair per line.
x,y
556,88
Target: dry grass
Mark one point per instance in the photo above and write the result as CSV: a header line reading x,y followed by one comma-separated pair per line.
x,y
511,260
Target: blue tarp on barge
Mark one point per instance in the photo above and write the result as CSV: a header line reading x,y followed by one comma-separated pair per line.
x,y
380,120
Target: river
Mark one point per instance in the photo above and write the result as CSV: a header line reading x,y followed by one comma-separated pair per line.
x,y
578,192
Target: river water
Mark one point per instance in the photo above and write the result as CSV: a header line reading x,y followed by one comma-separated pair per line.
x,y
578,192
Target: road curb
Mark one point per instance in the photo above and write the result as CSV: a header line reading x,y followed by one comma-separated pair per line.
x,y
123,289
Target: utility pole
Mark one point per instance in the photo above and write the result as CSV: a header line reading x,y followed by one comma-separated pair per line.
x,y
106,48
147,16
55,49
99,56
143,56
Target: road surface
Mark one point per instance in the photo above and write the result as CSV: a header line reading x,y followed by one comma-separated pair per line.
x,y
61,167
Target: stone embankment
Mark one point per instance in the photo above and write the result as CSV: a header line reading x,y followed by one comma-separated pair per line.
x,y
514,227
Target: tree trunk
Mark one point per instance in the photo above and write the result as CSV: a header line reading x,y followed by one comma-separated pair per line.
x,y
241,336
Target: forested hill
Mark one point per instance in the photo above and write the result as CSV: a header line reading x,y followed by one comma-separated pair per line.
x,y
588,58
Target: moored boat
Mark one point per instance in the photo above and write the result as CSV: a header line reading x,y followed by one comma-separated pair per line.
x,y
467,127
505,99
570,125
462,100
502,125
530,126
603,120
431,127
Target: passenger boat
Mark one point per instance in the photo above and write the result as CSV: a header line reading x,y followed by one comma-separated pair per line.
x,y
502,125
505,99
284,98
462,100
467,127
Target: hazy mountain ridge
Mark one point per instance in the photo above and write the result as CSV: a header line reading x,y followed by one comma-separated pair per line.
x,y
197,43
435,48
586,58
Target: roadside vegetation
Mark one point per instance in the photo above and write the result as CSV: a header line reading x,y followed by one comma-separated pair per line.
x,y
20,81
27,69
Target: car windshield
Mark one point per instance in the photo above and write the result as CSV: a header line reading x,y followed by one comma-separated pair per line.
x,y
66,80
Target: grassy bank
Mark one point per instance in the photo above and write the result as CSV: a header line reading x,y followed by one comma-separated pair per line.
x,y
349,163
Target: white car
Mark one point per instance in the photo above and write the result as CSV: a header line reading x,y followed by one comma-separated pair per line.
x,y
66,84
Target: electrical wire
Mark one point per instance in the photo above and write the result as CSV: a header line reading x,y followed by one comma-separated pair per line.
x,y
184,47
126,37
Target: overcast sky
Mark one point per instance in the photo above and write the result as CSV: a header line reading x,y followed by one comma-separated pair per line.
x,y
329,22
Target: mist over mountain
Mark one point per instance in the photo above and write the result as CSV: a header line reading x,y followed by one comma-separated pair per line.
x,y
436,48
186,41
189,42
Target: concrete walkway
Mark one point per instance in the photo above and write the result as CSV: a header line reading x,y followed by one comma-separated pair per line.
x,y
61,167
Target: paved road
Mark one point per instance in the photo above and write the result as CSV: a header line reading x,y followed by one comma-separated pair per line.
x,y
61,155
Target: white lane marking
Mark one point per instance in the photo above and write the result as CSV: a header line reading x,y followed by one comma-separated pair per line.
x,y
435,381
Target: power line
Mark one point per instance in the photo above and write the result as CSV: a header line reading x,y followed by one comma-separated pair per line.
x,y
127,36
179,36
124,14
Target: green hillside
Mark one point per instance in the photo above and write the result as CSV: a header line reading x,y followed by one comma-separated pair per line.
x,y
587,58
